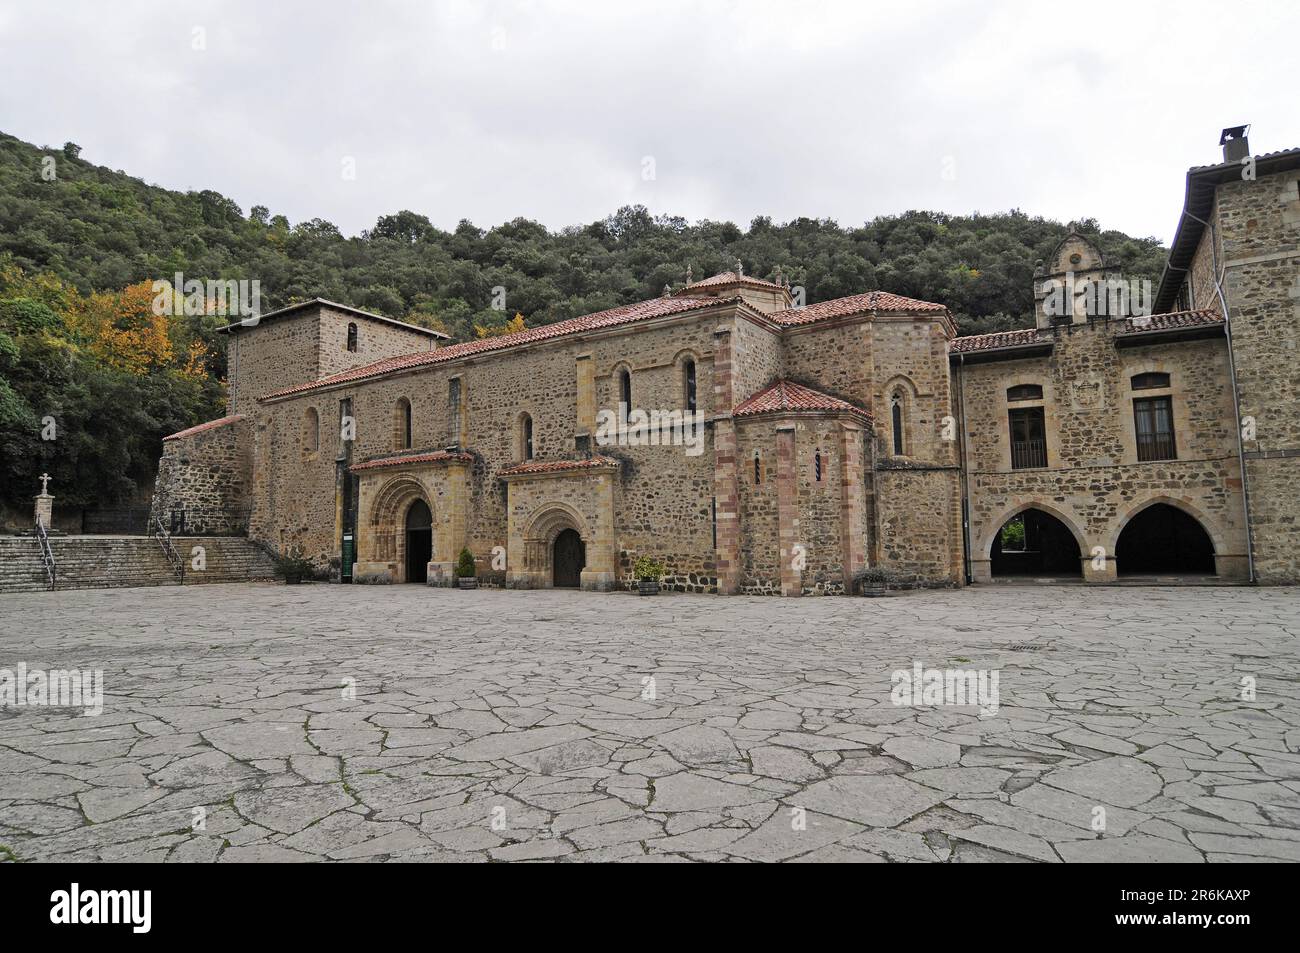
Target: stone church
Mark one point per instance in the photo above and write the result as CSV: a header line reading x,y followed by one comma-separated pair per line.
x,y
761,447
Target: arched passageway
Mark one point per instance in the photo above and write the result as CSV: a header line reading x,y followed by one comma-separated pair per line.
x,y
419,541
1035,543
569,556
1164,540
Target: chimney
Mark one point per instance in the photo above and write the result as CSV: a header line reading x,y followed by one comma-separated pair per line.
x,y
1235,145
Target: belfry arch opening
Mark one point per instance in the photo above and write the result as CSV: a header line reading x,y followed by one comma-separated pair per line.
x,y
1035,543
1163,540
419,541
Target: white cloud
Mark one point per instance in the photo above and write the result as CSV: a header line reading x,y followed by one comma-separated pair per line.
x,y
546,110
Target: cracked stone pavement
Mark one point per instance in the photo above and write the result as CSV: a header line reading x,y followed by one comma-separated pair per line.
x,y
406,723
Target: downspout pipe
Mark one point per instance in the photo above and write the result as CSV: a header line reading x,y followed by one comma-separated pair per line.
x,y
965,469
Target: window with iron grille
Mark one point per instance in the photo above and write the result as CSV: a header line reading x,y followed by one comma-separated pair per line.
x,y
1028,438
1153,422
1025,392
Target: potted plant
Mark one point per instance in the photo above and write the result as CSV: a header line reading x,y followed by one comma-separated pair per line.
x,y
648,572
873,582
465,571
292,567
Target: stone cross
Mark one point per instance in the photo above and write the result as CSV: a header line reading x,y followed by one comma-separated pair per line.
x,y
45,503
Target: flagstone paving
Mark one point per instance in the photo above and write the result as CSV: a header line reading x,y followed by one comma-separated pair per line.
x,y
274,723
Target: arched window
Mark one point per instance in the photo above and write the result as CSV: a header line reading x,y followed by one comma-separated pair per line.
x,y
688,373
1150,381
310,431
352,335
817,465
758,469
526,437
625,388
1025,392
896,422
402,430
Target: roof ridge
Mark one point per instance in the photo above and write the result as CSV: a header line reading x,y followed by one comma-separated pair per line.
x,y
786,395
610,317
207,425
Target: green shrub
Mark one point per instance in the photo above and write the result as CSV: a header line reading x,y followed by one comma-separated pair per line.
x,y
465,565
646,567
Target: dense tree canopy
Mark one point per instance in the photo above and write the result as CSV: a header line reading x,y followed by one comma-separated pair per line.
x,y
80,246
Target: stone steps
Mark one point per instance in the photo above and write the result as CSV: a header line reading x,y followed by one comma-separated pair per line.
x,y
94,562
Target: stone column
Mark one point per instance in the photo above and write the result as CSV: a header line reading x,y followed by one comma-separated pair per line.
x,y
852,504
726,491
44,506
586,406
787,510
601,571
1107,573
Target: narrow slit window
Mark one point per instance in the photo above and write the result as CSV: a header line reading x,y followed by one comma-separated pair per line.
x,y
352,336
896,422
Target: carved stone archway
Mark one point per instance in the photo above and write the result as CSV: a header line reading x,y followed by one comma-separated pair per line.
x,y
385,532
541,529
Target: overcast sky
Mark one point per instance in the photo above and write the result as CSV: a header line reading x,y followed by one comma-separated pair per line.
x,y
562,112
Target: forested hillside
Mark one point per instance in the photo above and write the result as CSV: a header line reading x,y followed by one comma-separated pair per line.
x,y
80,245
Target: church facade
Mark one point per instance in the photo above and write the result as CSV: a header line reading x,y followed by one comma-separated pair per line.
x,y
757,447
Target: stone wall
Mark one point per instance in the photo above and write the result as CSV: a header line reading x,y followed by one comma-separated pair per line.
x,y
280,352
207,474
1258,226
1093,481
376,340
306,345
666,490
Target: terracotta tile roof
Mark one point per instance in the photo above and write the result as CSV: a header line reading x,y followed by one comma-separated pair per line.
x,y
210,425
556,466
626,314
788,397
437,456
731,278
999,339
856,304
1139,325
1171,321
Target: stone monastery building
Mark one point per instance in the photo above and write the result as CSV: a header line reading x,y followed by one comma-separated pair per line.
x,y
830,438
